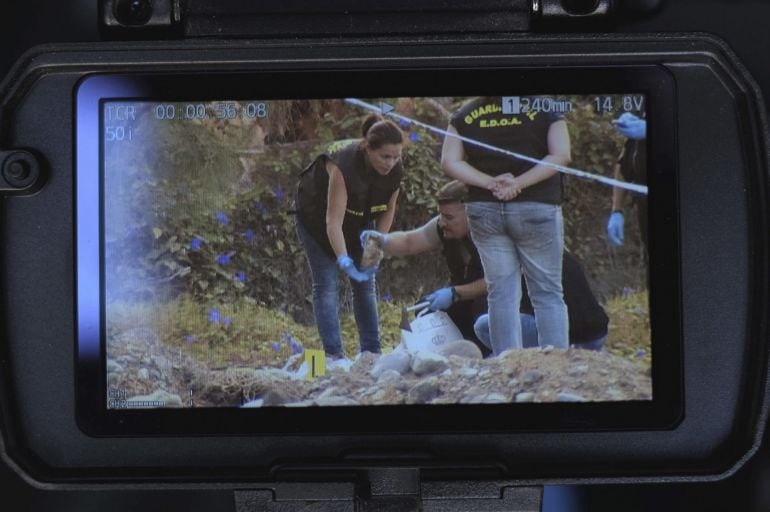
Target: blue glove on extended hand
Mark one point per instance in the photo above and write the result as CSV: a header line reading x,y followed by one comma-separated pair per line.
x,y
615,229
374,234
346,265
441,299
631,126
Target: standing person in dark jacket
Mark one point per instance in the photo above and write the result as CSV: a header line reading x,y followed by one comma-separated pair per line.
x,y
514,211
464,299
631,167
349,187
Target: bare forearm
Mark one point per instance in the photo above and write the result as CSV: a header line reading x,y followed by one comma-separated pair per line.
x,y
465,172
559,153
618,194
337,199
541,172
336,239
385,221
398,244
415,241
455,164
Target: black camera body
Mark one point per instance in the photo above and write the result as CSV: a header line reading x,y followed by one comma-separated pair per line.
x,y
710,270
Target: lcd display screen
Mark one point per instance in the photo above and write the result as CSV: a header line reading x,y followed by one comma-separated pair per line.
x,y
374,251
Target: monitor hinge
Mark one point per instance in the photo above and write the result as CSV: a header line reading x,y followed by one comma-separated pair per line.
x,y
389,490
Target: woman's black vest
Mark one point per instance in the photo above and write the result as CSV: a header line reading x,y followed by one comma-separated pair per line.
x,y
368,194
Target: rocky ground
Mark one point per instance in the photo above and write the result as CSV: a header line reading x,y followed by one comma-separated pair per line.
x,y
143,372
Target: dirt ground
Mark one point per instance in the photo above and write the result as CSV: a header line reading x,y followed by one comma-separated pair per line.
x,y
144,372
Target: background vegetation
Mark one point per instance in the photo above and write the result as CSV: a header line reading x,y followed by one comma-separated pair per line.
x,y
200,224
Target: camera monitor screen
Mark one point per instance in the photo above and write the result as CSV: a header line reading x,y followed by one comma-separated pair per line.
x,y
365,252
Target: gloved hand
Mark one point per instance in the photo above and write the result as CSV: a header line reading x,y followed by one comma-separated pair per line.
x,y
441,299
346,264
383,237
615,229
631,126
370,271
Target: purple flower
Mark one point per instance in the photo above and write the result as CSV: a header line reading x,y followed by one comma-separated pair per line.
x,y
279,193
240,276
414,137
227,321
259,206
387,297
640,353
214,316
404,123
196,243
223,259
295,346
249,235
276,346
222,218
189,338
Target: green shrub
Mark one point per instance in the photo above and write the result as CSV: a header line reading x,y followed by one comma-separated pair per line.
x,y
629,329
200,218
241,334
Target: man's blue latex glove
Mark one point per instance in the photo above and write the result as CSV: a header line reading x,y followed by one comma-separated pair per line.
x,y
374,234
631,126
346,264
615,229
441,299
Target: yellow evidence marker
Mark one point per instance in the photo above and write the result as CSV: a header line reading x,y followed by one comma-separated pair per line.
x,y
316,364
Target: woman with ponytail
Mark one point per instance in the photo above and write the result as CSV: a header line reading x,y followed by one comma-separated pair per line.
x,y
350,187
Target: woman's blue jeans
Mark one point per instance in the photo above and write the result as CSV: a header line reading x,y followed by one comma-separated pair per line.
x,y
514,238
325,275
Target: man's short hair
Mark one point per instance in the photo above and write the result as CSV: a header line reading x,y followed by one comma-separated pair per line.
x,y
453,192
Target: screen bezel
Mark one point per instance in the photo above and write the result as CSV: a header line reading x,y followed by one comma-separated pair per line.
x,y
662,412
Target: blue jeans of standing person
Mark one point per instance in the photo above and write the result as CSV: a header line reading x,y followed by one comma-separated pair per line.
x,y
326,275
529,334
514,238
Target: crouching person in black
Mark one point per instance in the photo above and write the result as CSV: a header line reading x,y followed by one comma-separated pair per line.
x,y
464,299
587,319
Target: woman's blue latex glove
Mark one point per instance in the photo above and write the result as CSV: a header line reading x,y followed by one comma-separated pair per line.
x,y
370,271
441,299
631,126
374,234
615,229
346,264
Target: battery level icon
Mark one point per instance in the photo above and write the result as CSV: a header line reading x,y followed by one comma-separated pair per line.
x,y
511,105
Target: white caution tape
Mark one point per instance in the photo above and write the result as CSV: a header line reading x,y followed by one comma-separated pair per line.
x,y
640,189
